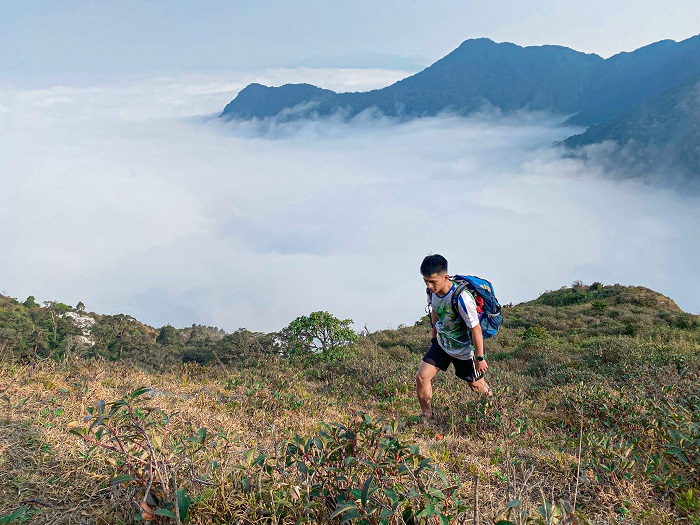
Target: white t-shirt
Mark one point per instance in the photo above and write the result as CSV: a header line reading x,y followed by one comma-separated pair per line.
x,y
454,328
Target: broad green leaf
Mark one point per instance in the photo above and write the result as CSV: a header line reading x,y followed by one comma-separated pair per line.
x,y
365,490
121,479
350,515
302,467
345,507
184,501
139,392
97,421
165,512
393,497
437,493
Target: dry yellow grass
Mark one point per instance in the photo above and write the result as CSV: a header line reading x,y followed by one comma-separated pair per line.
x,y
42,463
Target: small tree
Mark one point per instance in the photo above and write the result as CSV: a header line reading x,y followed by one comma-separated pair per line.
x,y
56,310
578,286
319,332
167,335
119,335
30,302
239,346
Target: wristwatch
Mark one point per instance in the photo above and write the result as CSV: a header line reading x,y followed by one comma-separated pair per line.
x,y
479,357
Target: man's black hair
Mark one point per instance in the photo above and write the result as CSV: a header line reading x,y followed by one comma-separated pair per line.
x,y
433,264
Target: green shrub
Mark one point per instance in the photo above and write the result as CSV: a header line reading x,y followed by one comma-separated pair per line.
x,y
362,472
599,306
146,458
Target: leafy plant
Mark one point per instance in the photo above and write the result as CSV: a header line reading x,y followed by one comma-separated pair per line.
x,y
362,471
18,516
688,503
144,455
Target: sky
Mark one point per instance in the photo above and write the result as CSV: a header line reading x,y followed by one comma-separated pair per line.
x,y
120,188
78,41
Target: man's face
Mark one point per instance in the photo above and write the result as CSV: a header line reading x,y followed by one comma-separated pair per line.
x,y
438,283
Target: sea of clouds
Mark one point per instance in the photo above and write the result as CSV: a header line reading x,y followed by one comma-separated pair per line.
x,y
134,198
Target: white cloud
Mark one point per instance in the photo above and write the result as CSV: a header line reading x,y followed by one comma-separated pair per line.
x,y
127,198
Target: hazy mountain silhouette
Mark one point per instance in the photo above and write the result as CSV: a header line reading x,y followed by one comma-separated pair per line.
x,y
663,134
646,99
258,101
478,74
627,81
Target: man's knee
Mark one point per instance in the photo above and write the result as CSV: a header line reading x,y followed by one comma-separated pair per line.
x,y
424,376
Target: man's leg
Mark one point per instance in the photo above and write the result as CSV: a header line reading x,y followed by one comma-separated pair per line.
x,y
424,387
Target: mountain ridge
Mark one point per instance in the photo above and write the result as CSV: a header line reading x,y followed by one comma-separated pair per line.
x,y
548,77
607,96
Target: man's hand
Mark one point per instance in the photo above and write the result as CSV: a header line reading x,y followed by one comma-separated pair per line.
x,y
481,366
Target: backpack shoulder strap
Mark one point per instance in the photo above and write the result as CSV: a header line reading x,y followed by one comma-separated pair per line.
x,y
429,306
461,285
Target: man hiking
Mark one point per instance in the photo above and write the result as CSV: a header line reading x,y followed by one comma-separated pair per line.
x,y
456,335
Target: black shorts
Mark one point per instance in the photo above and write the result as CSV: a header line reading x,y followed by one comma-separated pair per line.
x,y
464,368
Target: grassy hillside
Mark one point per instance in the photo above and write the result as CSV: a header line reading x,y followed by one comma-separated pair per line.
x,y
596,406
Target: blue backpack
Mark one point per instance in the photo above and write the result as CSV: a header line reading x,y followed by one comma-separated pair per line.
x,y
487,305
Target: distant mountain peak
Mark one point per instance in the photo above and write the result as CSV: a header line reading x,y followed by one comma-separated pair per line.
x,y
479,72
607,96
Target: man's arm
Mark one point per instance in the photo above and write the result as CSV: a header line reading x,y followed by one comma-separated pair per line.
x,y
478,340
467,309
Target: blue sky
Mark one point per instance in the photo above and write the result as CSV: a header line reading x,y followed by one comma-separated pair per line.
x,y
70,41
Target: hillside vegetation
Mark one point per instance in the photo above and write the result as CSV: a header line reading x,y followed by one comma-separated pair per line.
x,y
595,419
